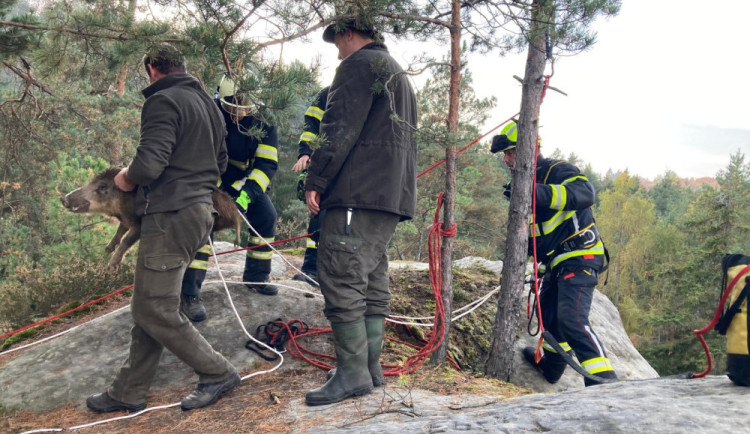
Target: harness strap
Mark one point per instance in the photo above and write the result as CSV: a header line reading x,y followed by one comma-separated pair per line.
x,y
723,325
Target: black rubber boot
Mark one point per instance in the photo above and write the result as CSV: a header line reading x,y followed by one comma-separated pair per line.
x,y
352,378
375,326
551,366
610,375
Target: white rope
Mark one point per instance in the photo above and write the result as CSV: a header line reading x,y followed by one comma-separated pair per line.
x,y
239,320
224,282
274,249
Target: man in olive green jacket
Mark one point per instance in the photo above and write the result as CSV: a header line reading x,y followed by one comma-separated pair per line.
x,y
364,178
178,161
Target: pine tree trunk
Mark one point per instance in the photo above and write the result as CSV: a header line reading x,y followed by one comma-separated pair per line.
x,y
507,318
446,252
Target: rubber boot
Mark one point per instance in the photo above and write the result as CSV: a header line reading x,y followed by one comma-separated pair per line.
x,y
352,378
552,366
375,326
611,375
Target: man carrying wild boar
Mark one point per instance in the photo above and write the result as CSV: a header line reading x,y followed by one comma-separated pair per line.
x,y
178,161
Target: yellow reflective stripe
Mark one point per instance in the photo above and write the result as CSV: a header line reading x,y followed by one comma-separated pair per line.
x,y
547,347
242,165
238,184
259,241
218,183
559,197
263,256
314,112
556,220
267,152
311,244
598,249
307,136
261,178
205,249
596,365
569,180
198,265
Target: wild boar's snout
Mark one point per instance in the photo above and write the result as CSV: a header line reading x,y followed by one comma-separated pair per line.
x,y
76,201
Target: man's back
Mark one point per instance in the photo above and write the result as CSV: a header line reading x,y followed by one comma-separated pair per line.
x,y
182,150
370,162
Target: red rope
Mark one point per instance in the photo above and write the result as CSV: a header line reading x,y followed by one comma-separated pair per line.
x,y
460,151
715,320
11,333
66,313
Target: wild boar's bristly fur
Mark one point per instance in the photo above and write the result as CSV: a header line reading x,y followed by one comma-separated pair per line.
x,y
102,196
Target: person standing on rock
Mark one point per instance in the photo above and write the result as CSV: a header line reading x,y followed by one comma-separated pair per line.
x,y
313,116
253,160
365,180
572,255
177,163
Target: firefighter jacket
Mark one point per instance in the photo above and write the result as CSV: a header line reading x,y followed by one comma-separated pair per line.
x,y
181,151
313,116
253,158
369,160
564,226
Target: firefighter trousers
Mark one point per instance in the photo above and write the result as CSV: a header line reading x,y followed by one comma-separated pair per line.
x,y
565,300
262,216
310,263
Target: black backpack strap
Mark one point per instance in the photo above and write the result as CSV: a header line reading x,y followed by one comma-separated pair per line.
x,y
726,319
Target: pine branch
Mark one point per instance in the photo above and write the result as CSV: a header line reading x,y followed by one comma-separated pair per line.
x,y
122,36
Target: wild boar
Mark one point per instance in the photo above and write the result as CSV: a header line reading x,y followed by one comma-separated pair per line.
x,y
101,195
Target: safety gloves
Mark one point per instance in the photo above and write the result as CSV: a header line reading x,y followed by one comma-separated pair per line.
x,y
243,200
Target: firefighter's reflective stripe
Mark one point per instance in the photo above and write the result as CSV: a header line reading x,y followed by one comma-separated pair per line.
x,y
597,365
559,197
311,244
267,152
258,241
238,184
198,264
263,256
315,112
242,165
260,178
307,136
201,258
547,347
551,224
598,249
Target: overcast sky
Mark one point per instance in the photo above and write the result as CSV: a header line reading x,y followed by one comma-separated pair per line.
x,y
664,88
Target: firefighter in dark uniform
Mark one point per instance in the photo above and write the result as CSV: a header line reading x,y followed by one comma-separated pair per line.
x,y
571,254
313,116
253,160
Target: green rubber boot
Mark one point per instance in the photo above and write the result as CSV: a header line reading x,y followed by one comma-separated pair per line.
x,y
352,378
375,326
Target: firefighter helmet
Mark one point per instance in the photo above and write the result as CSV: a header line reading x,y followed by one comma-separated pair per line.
x,y
507,138
234,96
